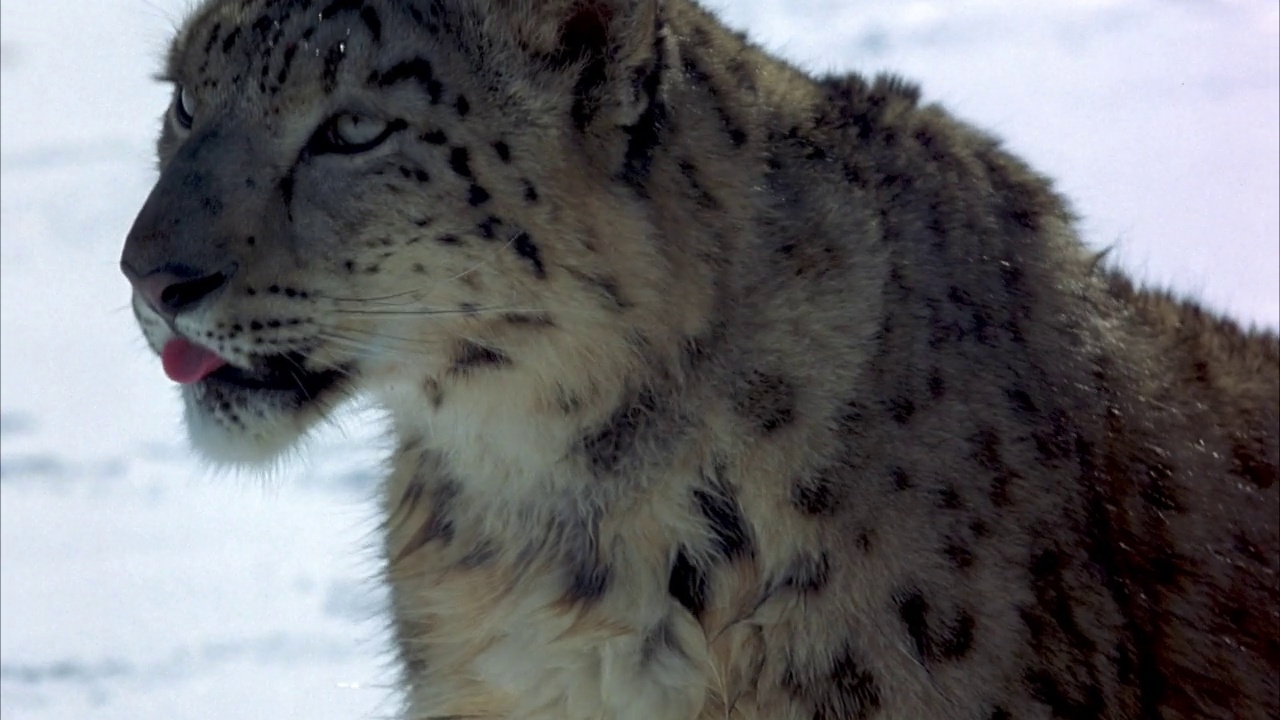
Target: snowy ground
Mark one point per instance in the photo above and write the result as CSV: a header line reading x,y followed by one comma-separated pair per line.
x,y
133,584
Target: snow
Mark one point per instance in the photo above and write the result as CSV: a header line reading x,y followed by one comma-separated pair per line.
x,y
136,584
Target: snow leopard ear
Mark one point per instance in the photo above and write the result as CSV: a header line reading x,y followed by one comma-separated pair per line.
x,y
610,47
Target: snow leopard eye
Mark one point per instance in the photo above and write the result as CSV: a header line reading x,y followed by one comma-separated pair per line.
x,y
351,133
184,106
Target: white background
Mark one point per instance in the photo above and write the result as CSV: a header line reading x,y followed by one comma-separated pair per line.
x,y
134,584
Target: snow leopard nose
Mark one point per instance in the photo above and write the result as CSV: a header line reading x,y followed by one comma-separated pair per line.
x,y
175,288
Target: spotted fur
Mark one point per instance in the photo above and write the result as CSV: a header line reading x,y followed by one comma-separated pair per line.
x,y
719,390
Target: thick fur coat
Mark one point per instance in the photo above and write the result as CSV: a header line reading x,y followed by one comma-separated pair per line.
x,y
719,390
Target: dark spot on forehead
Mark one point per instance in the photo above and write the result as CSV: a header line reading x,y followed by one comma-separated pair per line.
x,y
262,25
418,70
230,40
288,62
525,248
433,137
338,6
487,227
369,17
477,195
213,37
949,498
459,162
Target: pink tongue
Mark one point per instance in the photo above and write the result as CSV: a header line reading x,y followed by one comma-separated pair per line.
x,y
185,362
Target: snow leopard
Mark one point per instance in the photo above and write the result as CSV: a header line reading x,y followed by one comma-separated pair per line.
x,y
717,389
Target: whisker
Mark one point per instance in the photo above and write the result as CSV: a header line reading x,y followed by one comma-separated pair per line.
x,y
492,256
361,343
375,299
351,344
376,335
392,296
428,312
296,379
414,313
